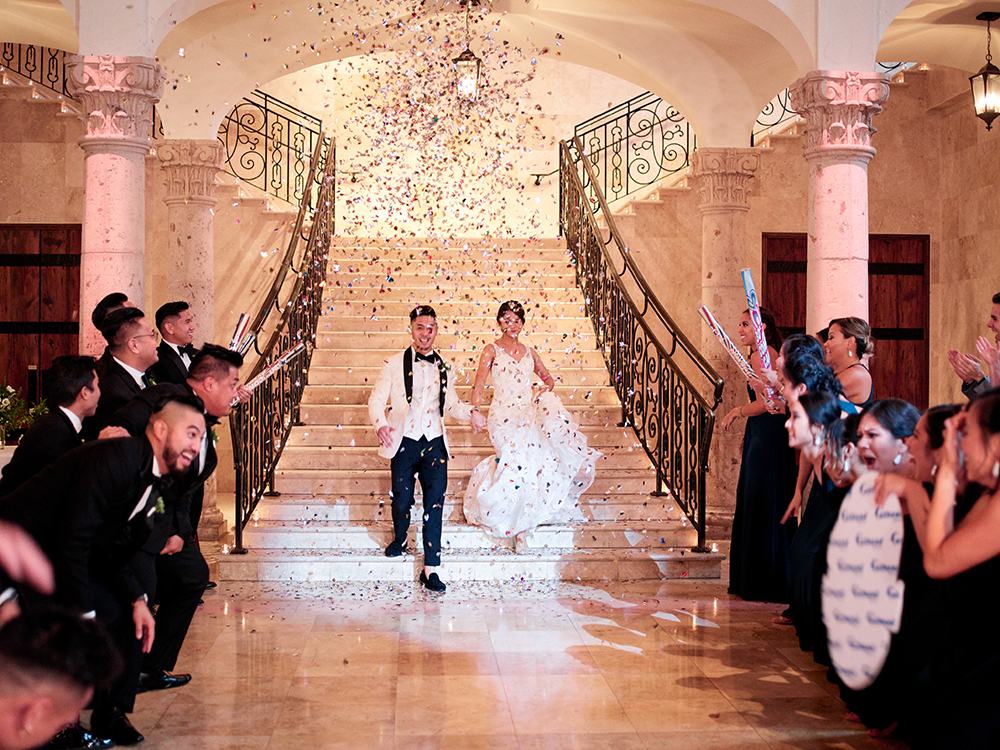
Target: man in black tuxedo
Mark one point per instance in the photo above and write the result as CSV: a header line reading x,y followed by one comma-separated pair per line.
x,y
122,371
91,511
170,563
73,394
176,327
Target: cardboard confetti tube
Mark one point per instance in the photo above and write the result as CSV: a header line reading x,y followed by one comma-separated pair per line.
x,y
758,325
273,368
241,327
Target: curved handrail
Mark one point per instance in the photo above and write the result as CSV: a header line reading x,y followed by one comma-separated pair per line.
x,y
649,298
260,428
671,416
296,234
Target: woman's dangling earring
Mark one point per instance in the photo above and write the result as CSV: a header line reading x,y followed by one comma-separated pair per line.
x,y
996,470
934,470
817,440
847,465
898,459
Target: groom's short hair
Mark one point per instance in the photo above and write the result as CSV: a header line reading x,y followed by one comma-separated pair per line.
x,y
420,310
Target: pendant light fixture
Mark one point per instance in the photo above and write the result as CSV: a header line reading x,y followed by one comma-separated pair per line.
x,y
986,83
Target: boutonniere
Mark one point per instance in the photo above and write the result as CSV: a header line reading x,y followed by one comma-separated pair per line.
x,y
215,437
151,381
159,507
443,365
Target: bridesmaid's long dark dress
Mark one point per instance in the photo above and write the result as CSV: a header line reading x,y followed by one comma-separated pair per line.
x,y
758,558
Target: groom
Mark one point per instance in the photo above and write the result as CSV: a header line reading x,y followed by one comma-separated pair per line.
x,y
421,384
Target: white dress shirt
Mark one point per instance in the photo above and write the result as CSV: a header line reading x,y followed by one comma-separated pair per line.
x,y
183,355
424,417
73,419
137,375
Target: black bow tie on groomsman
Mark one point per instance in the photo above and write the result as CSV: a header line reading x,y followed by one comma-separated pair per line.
x,y
432,357
189,350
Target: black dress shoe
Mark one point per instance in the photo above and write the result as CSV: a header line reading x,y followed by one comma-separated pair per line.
x,y
115,726
395,549
432,582
210,585
77,738
161,681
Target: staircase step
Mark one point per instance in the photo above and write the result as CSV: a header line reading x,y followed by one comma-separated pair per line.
x,y
359,393
353,375
572,353
376,535
369,302
343,482
602,437
361,458
484,324
472,565
372,279
360,508
339,415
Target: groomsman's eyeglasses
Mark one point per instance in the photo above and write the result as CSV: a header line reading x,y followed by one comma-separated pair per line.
x,y
154,334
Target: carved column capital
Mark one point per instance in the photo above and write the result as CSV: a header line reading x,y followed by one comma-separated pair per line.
x,y
838,106
725,177
117,94
190,167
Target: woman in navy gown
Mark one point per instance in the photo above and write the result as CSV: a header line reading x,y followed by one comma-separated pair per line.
x,y
758,567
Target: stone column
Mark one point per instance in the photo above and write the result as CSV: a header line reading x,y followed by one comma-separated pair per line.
x,y
190,167
724,177
838,107
117,94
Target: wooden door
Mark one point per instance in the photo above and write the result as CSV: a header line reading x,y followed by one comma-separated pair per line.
x,y
39,311
898,301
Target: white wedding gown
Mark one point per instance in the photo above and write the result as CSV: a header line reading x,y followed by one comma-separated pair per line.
x,y
542,463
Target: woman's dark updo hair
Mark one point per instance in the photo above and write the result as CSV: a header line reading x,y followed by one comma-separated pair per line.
x,y
987,408
771,333
897,416
805,343
822,408
936,417
803,368
841,432
859,330
511,306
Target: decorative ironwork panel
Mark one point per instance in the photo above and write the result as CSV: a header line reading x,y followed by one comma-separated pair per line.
x,y
268,144
635,144
43,65
260,427
671,416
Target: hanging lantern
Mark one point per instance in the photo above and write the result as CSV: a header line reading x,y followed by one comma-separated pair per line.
x,y
986,83
467,65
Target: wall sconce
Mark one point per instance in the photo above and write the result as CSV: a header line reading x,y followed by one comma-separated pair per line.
x,y
467,64
986,83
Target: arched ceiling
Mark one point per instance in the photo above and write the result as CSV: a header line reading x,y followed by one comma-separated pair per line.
x,y
718,61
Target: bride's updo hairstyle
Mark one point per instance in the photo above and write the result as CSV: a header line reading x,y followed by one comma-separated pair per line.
x,y
513,307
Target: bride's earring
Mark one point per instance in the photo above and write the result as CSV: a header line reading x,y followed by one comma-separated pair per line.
x,y
898,459
817,440
934,470
996,470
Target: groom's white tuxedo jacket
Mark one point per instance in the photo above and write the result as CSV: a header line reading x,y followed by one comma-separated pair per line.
x,y
390,388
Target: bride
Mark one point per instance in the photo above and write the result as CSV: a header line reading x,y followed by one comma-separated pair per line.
x,y
542,463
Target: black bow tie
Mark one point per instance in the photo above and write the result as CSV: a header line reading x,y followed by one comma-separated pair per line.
x,y
426,357
189,350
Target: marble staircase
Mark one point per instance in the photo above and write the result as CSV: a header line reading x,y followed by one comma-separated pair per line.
x,y
332,518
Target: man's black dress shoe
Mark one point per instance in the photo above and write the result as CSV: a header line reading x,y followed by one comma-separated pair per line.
x,y
210,585
432,582
115,726
395,549
77,738
161,681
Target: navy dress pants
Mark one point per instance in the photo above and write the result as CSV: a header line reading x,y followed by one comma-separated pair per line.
x,y
426,460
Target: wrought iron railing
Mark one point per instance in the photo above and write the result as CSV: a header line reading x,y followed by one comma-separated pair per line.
x,y
260,427
635,144
653,365
268,144
43,65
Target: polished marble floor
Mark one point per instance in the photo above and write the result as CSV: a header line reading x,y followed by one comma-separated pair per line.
x,y
624,666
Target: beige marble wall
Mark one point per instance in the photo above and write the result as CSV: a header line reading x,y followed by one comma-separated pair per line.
x,y
41,166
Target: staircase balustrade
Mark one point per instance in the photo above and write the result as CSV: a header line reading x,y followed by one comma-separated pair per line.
x,y
260,427
653,365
